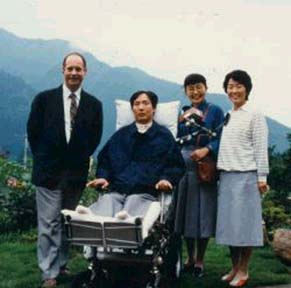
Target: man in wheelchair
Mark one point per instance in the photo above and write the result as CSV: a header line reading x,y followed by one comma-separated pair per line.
x,y
136,162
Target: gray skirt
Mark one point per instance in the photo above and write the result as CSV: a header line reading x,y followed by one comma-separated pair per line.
x,y
239,216
196,203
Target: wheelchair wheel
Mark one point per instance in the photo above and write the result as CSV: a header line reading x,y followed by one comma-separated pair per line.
x,y
173,264
174,281
154,282
171,271
178,264
87,279
83,280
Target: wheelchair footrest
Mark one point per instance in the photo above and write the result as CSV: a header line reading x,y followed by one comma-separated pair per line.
x,y
120,234
107,234
84,233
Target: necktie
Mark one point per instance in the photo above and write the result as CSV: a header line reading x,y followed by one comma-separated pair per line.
x,y
73,109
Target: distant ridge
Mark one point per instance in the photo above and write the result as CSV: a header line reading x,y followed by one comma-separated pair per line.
x,y
28,66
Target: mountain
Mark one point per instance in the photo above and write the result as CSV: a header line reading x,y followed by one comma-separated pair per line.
x,y
15,97
36,60
32,65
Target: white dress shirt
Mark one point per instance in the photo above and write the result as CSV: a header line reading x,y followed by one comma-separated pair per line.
x,y
67,105
244,143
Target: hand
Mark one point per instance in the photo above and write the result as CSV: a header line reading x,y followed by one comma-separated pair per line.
x,y
199,154
101,182
182,117
164,185
263,187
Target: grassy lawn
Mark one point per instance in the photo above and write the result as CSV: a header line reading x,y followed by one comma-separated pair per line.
x,y
18,267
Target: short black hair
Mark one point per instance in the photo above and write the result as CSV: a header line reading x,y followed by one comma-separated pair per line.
x,y
152,96
194,78
77,54
241,77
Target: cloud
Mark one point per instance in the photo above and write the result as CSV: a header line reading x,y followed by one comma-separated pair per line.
x,y
172,39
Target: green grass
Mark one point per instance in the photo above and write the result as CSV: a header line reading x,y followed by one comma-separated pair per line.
x,y
18,267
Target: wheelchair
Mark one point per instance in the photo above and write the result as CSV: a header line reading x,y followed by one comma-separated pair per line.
x,y
136,252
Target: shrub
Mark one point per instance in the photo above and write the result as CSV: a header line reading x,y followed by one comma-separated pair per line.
x,y
275,215
89,196
17,197
17,202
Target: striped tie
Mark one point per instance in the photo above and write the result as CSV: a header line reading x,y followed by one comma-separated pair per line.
x,y
73,109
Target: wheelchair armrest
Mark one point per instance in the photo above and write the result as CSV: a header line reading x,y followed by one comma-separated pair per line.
x,y
165,198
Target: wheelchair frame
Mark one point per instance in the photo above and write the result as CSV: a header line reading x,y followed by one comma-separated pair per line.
x,y
159,254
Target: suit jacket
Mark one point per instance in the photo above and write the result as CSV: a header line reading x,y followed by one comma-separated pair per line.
x,y
56,163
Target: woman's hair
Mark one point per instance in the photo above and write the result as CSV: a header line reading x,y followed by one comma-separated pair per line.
x,y
152,96
192,79
241,77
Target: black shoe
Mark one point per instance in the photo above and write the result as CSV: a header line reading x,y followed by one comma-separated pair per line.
x,y
49,283
198,272
65,271
188,268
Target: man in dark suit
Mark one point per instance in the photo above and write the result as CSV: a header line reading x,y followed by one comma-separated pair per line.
x,y
64,128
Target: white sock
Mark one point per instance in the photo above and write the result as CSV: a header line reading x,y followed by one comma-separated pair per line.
x,y
83,210
122,215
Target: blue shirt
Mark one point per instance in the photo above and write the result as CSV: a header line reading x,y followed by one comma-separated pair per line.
x,y
213,120
133,162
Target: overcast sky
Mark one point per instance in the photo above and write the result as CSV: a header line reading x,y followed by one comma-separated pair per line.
x,y
172,39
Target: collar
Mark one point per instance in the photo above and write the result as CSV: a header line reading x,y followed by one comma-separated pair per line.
x,y
67,92
245,107
150,131
143,128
